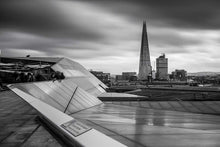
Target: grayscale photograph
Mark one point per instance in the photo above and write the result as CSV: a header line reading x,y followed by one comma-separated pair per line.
x,y
109,73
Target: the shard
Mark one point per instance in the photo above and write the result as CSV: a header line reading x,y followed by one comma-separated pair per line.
x,y
144,64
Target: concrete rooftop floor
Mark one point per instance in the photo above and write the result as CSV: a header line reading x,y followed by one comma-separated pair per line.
x,y
18,125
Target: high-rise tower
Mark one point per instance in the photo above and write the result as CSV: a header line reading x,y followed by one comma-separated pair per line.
x,y
144,64
162,68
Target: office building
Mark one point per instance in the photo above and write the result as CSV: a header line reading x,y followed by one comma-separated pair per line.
x,y
118,78
179,75
128,75
162,68
104,77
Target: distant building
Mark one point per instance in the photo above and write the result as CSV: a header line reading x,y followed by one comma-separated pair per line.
x,y
127,78
133,78
128,75
179,75
153,74
118,78
144,64
104,77
162,68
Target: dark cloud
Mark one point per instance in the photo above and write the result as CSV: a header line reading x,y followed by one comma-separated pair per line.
x,y
29,15
199,14
161,39
41,17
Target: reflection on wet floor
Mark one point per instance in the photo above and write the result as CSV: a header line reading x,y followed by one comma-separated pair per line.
x,y
204,107
135,126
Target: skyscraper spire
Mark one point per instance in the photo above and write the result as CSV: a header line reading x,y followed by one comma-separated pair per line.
x,y
144,64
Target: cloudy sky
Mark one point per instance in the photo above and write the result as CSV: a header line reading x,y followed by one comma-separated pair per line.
x,y
106,34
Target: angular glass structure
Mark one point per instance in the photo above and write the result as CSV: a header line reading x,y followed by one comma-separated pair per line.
x,y
57,99
78,91
63,95
77,74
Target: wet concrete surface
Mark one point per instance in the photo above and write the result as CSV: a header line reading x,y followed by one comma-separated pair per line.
x,y
201,107
135,126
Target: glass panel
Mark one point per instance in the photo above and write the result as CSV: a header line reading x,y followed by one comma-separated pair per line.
x,y
82,77
68,83
38,93
82,100
57,67
71,109
87,98
76,105
59,91
52,94
64,88
78,101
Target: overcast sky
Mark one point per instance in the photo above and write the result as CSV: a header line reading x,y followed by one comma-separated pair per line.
x,y
106,34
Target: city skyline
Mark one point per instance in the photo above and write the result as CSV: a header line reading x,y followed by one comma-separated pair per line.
x,y
106,35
